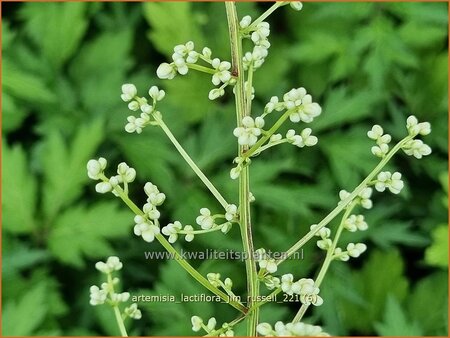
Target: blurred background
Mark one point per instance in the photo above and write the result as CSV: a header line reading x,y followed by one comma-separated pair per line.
x,y
365,63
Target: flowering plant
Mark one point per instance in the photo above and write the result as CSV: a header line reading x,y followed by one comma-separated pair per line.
x,y
296,106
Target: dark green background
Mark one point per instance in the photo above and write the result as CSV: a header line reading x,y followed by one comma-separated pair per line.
x,y
365,63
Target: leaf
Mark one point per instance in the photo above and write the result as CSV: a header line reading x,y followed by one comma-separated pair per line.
x,y
56,28
437,253
382,273
13,114
349,156
23,316
435,288
342,107
65,167
82,231
18,192
174,318
391,232
165,19
395,322
24,85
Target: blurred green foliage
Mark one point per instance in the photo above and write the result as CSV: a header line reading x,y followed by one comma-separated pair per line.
x,y
365,63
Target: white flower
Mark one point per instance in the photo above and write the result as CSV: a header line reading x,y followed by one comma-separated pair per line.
x,y
343,194
231,212
261,32
324,243
156,94
273,104
305,110
246,21
296,5
214,278
133,105
155,197
228,283
324,232
196,323
95,168
166,71
103,187
172,230
131,126
341,255
287,282
309,292
222,73
249,132
416,148
265,329
354,223
205,220
375,133
189,230
380,150
226,227
145,228
151,211
265,262
391,181
129,91
120,297
271,282
132,311
216,93
355,250
296,140
364,198
308,139
113,263
126,173
211,324
415,128
97,296
275,138
206,52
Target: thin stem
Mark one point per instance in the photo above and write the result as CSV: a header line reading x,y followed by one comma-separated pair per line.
x,y
269,145
264,16
249,89
190,162
119,319
342,205
201,68
242,110
328,259
267,136
178,258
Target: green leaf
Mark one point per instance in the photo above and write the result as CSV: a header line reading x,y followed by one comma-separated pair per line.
x,y
382,273
65,167
13,114
432,320
82,231
18,191
395,322
174,318
437,253
342,107
350,160
23,316
24,85
171,24
56,28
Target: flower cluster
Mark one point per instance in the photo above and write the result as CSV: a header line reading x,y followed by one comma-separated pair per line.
x,y
251,128
304,139
305,287
382,140
206,221
106,293
265,261
355,222
363,197
96,171
353,250
135,103
258,34
393,182
415,147
198,324
324,233
185,57
290,330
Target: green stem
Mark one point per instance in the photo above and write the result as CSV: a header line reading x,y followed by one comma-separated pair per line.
x,y
244,178
180,260
201,68
190,162
326,264
264,16
119,319
336,211
254,149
